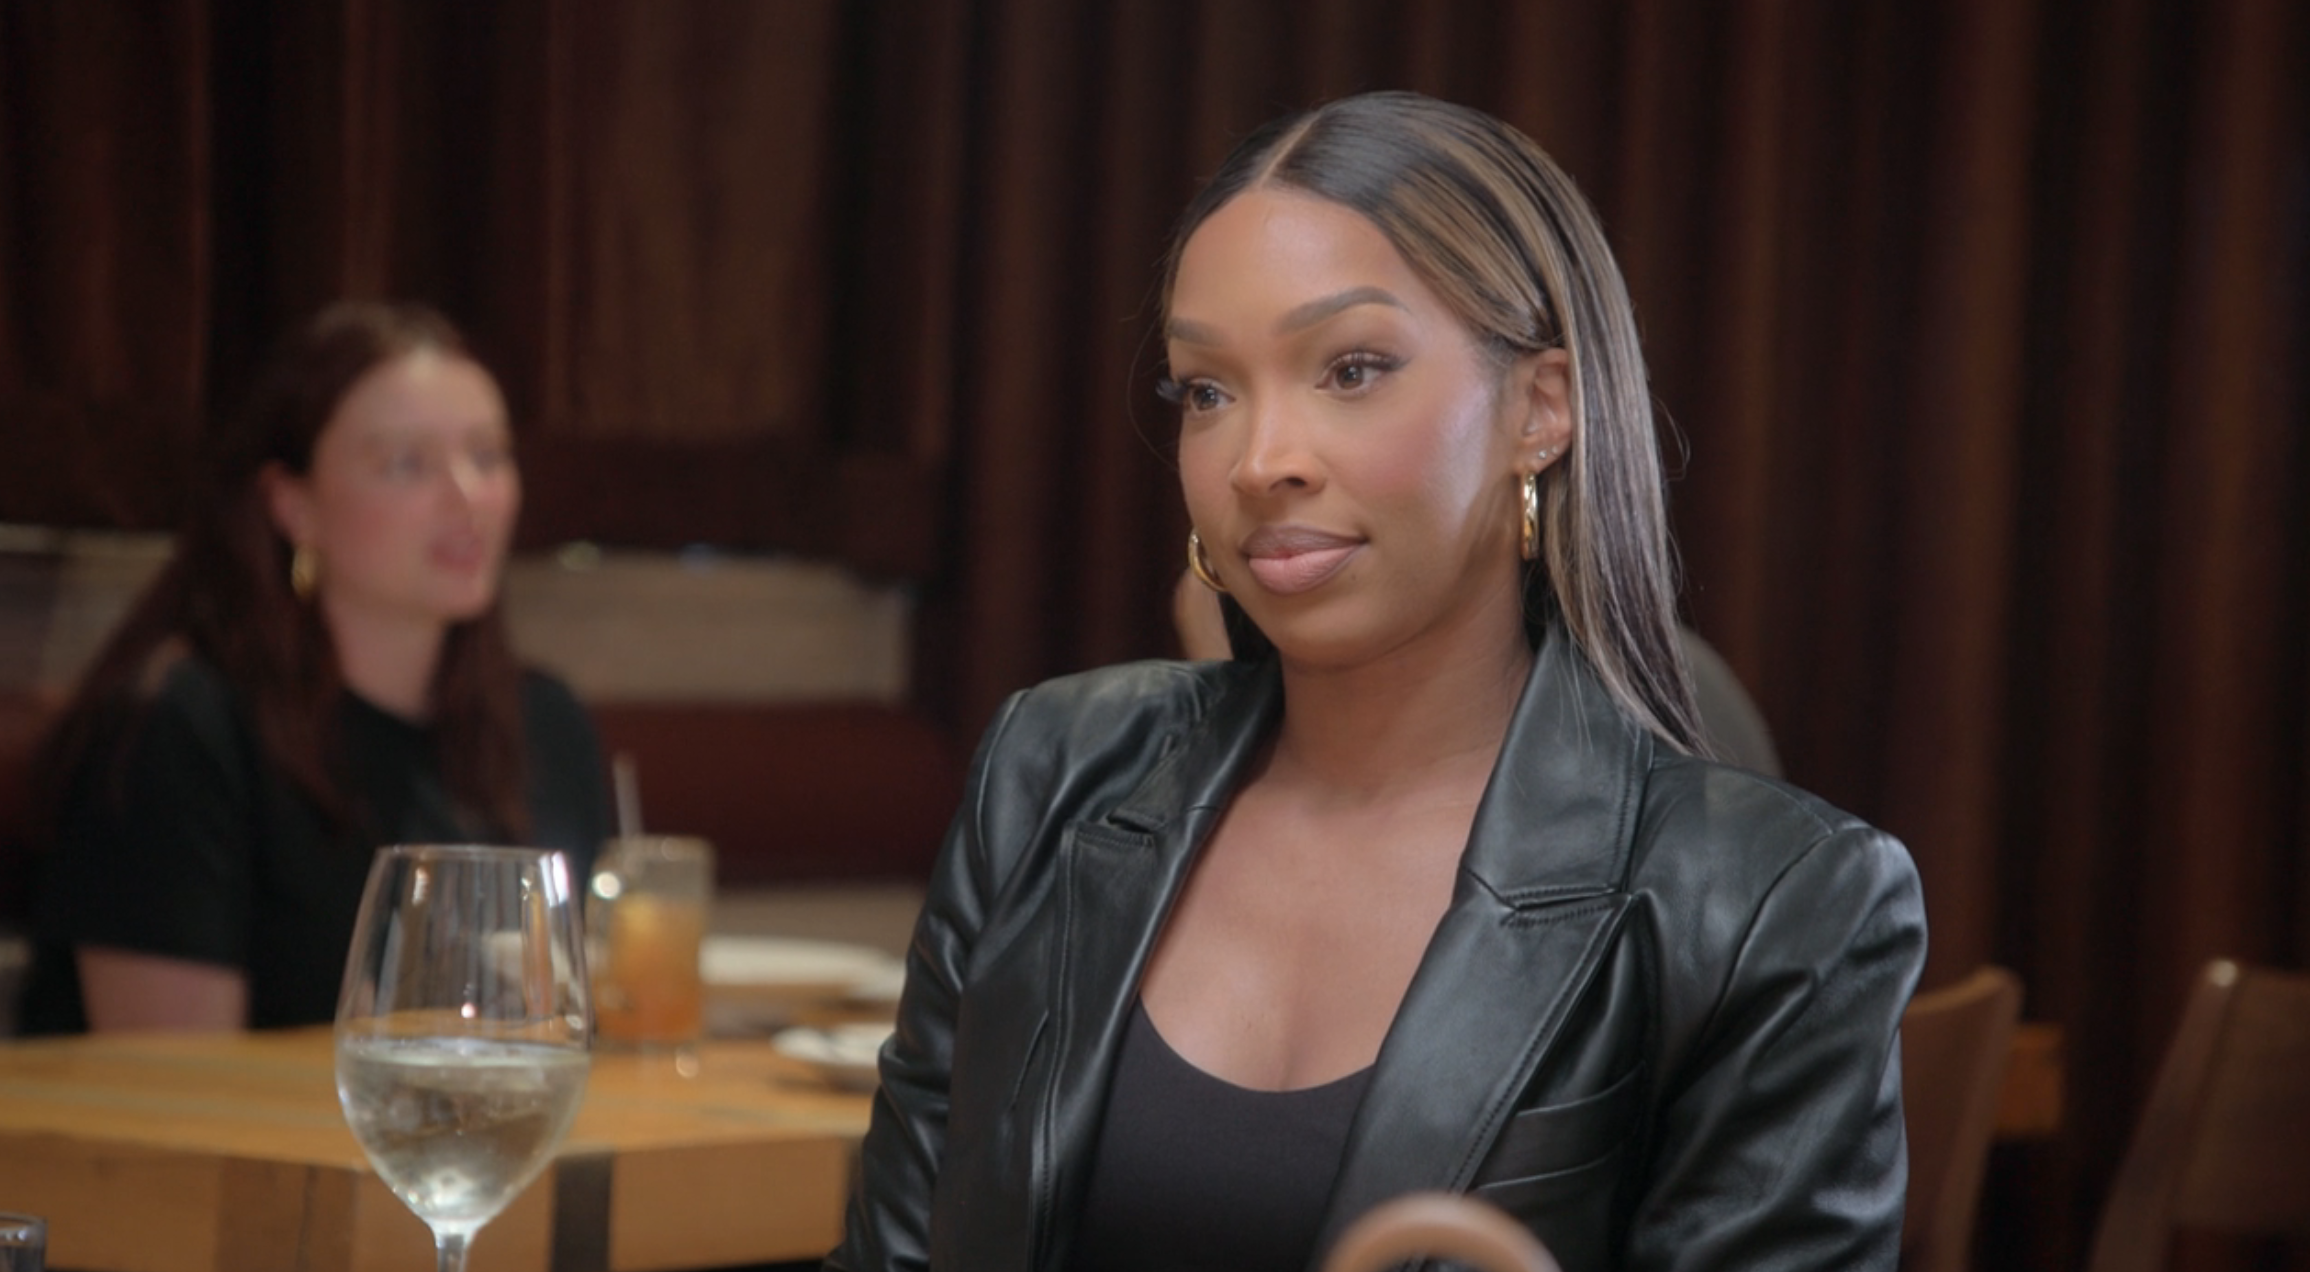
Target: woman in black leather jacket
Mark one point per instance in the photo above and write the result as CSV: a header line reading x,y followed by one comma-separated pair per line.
x,y
1432,886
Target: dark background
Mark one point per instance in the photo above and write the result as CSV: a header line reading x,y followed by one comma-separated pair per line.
x,y
1981,325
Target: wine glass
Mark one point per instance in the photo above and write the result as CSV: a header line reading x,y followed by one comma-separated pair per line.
x,y
462,1028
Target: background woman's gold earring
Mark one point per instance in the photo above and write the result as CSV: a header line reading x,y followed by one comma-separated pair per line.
x,y
1200,564
1531,516
304,572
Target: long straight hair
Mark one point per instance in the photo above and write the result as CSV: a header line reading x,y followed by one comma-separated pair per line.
x,y
224,595
1502,234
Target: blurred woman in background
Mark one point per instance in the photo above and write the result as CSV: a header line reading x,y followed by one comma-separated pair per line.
x,y
321,668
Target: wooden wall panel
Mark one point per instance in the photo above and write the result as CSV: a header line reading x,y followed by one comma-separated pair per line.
x,y
629,206
691,221
103,255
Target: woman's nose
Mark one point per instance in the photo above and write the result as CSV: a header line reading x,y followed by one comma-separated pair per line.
x,y
471,480
1276,454
464,480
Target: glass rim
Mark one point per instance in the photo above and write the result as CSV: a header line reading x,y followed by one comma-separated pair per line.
x,y
652,841
477,852
17,1225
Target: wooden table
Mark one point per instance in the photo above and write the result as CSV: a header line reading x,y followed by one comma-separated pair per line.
x,y
228,1153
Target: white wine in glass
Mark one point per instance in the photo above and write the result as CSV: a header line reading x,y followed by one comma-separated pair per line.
x,y
462,1028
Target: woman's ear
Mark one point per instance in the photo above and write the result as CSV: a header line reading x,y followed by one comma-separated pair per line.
x,y
289,501
1544,424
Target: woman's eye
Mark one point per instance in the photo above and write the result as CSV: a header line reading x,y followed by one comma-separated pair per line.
x,y
1360,370
1191,396
403,464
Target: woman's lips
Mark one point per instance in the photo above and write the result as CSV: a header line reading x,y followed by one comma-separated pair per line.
x,y
1290,559
463,554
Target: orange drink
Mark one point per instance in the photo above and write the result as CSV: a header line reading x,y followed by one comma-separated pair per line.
x,y
647,989
647,917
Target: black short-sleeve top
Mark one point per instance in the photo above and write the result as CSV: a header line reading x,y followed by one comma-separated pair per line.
x,y
179,837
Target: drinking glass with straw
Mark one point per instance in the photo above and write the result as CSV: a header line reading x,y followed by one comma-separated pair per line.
x,y
646,914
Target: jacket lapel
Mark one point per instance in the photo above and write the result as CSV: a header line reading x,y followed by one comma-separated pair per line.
x,y
1539,899
1121,876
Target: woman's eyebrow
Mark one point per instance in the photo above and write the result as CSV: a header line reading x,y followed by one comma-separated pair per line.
x,y
1301,317
1298,318
1186,331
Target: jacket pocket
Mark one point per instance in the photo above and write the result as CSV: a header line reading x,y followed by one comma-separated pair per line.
x,y
1556,1150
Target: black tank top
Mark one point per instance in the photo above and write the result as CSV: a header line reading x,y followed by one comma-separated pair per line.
x,y
1196,1174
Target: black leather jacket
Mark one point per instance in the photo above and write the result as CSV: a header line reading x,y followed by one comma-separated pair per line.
x,y
1658,1022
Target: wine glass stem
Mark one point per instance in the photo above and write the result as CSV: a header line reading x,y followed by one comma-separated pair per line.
x,y
449,1251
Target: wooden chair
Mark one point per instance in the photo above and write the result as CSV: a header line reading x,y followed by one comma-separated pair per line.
x,y
1954,1045
2224,1143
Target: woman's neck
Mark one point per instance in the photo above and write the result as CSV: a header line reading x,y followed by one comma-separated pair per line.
x,y
388,661
1402,721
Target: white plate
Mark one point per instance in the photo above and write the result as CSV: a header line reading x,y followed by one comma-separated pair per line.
x,y
882,987
844,1055
777,962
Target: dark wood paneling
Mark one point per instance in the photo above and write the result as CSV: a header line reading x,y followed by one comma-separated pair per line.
x,y
879,514
789,792
104,266
625,204
688,240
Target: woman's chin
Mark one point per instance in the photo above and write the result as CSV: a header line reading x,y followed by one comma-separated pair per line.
x,y
464,605
1325,647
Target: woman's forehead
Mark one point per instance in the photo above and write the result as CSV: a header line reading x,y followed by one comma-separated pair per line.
x,y
424,391
1289,258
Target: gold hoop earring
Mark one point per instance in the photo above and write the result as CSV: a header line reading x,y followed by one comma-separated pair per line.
x,y
1199,564
1531,519
304,572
